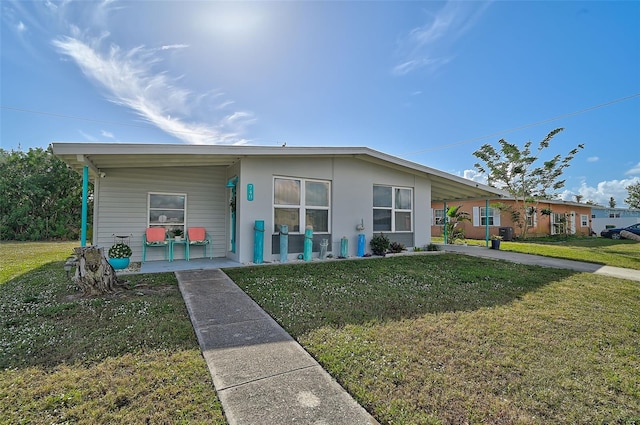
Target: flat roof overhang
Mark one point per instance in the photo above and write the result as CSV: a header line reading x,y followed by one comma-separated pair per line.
x,y
100,157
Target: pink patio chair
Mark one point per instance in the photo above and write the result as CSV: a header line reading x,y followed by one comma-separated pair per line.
x,y
198,236
154,237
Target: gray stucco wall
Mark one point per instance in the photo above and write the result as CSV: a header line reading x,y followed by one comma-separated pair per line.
x,y
351,199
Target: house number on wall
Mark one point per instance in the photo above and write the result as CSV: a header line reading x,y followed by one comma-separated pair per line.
x,y
250,192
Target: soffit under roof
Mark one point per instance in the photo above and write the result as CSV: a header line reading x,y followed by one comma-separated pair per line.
x,y
100,157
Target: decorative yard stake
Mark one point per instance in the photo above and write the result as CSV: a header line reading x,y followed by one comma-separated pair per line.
x,y
308,243
361,245
284,242
258,241
344,247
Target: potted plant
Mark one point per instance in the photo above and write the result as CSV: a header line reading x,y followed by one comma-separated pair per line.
x,y
495,241
119,255
177,234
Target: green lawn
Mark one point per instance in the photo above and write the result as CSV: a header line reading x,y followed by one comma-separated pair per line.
x,y
422,339
617,253
443,338
128,358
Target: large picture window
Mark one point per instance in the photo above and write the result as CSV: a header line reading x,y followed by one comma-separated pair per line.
x,y
392,209
301,202
168,210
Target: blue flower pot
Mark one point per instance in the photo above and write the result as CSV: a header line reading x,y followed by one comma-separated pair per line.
x,y
119,263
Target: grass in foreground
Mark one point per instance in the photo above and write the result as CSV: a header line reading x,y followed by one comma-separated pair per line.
x,y
439,339
128,358
616,253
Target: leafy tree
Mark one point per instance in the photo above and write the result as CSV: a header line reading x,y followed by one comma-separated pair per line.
x,y
514,169
634,195
40,198
578,198
612,202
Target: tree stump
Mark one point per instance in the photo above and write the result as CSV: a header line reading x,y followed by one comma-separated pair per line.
x,y
94,275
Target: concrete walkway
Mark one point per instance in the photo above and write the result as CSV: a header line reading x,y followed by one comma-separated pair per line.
x,y
261,374
538,260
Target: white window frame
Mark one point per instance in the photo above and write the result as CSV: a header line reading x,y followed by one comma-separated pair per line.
x,y
438,217
479,216
395,210
559,223
302,207
584,220
171,225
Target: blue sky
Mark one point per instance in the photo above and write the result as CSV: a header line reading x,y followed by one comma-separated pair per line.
x,y
426,81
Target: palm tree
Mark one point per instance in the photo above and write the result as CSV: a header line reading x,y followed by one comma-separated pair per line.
x,y
455,217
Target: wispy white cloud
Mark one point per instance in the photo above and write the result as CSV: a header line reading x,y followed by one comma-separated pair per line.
x,y
225,104
87,136
107,134
593,159
634,171
129,79
174,46
429,46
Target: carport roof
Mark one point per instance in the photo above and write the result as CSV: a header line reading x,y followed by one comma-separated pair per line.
x,y
100,157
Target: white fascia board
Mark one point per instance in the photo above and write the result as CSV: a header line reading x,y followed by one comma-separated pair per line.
x,y
92,149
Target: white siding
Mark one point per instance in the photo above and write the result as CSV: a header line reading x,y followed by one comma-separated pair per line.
x,y
122,204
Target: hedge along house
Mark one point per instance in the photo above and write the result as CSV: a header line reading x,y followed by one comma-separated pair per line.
x,y
228,189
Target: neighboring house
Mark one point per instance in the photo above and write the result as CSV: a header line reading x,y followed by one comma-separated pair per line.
x,y
227,189
609,218
565,218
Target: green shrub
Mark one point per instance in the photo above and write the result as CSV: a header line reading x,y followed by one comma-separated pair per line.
x,y
379,244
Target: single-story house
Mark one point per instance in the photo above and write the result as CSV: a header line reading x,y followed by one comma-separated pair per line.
x,y
549,217
608,218
340,191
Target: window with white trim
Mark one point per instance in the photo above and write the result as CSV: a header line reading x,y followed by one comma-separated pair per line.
x,y
480,216
484,217
584,220
558,223
392,209
301,202
438,217
168,210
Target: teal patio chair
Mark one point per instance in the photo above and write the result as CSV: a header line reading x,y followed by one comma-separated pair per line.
x,y
154,237
198,236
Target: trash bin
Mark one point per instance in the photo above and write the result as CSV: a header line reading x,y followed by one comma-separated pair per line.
x,y
506,233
